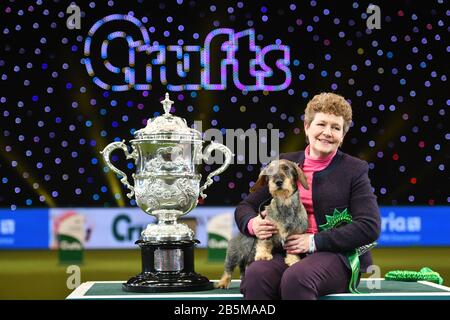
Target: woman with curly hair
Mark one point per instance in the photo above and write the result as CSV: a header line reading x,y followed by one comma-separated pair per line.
x,y
339,185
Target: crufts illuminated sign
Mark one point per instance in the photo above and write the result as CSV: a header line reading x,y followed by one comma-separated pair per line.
x,y
99,62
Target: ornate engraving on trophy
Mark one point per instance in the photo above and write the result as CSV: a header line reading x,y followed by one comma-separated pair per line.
x,y
156,193
168,159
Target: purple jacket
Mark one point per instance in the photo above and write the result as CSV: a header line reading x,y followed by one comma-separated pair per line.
x,y
343,184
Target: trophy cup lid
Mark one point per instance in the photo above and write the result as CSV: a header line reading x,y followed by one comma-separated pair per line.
x,y
167,126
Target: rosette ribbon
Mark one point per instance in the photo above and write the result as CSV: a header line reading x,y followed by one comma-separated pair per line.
x,y
338,218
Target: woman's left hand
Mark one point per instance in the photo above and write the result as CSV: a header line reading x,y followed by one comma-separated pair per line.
x,y
297,243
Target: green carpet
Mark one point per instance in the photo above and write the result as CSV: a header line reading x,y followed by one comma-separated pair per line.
x,y
38,275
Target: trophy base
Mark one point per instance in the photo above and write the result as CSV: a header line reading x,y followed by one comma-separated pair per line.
x,y
154,283
167,267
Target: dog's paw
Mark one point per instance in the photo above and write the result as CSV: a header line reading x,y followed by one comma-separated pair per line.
x,y
291,259
263,256
224,282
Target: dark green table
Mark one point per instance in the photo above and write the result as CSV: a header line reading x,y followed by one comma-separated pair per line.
x,y
371,289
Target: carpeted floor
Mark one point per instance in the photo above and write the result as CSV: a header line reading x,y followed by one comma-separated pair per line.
x,y
38,274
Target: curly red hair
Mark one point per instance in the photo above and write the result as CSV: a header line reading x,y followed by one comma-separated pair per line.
x,y
331,103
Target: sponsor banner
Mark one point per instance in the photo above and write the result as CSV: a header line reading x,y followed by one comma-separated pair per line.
x,y
69,230
24,229
220,229
415,226
119,228
106,228
204,215
110,228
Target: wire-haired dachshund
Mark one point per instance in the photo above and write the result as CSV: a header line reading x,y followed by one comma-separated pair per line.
x,y
285,210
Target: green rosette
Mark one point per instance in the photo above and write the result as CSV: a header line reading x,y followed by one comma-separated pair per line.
x,y
338,218
425,274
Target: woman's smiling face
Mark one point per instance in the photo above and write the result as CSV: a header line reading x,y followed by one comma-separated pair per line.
x,y
325,134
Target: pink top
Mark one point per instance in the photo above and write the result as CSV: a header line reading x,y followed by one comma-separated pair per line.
x,y
310,166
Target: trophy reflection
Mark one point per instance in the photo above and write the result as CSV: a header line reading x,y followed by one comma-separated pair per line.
x,y
167,154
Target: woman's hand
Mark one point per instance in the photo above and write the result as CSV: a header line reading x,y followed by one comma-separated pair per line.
x,y
263,228
297,243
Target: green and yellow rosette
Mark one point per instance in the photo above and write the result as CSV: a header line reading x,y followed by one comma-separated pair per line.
x,y
337,219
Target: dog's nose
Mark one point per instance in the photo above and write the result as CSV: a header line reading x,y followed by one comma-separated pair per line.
x,y
279,183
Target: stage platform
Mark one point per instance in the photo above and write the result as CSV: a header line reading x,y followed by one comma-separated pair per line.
x,y
371,289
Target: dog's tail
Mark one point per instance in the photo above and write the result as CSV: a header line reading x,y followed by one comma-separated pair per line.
x,y
240,252
230,264
231,261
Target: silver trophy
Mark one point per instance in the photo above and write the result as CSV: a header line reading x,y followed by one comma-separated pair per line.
x,y
167,154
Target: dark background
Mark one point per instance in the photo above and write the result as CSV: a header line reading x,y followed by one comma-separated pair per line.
x,y
54,120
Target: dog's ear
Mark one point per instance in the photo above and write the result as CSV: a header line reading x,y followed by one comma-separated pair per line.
x,y
261,182
301,177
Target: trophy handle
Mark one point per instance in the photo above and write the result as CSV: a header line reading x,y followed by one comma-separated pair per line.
x,y
228,156
106,153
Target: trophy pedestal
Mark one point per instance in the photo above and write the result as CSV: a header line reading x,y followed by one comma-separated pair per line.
x,y
167,266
